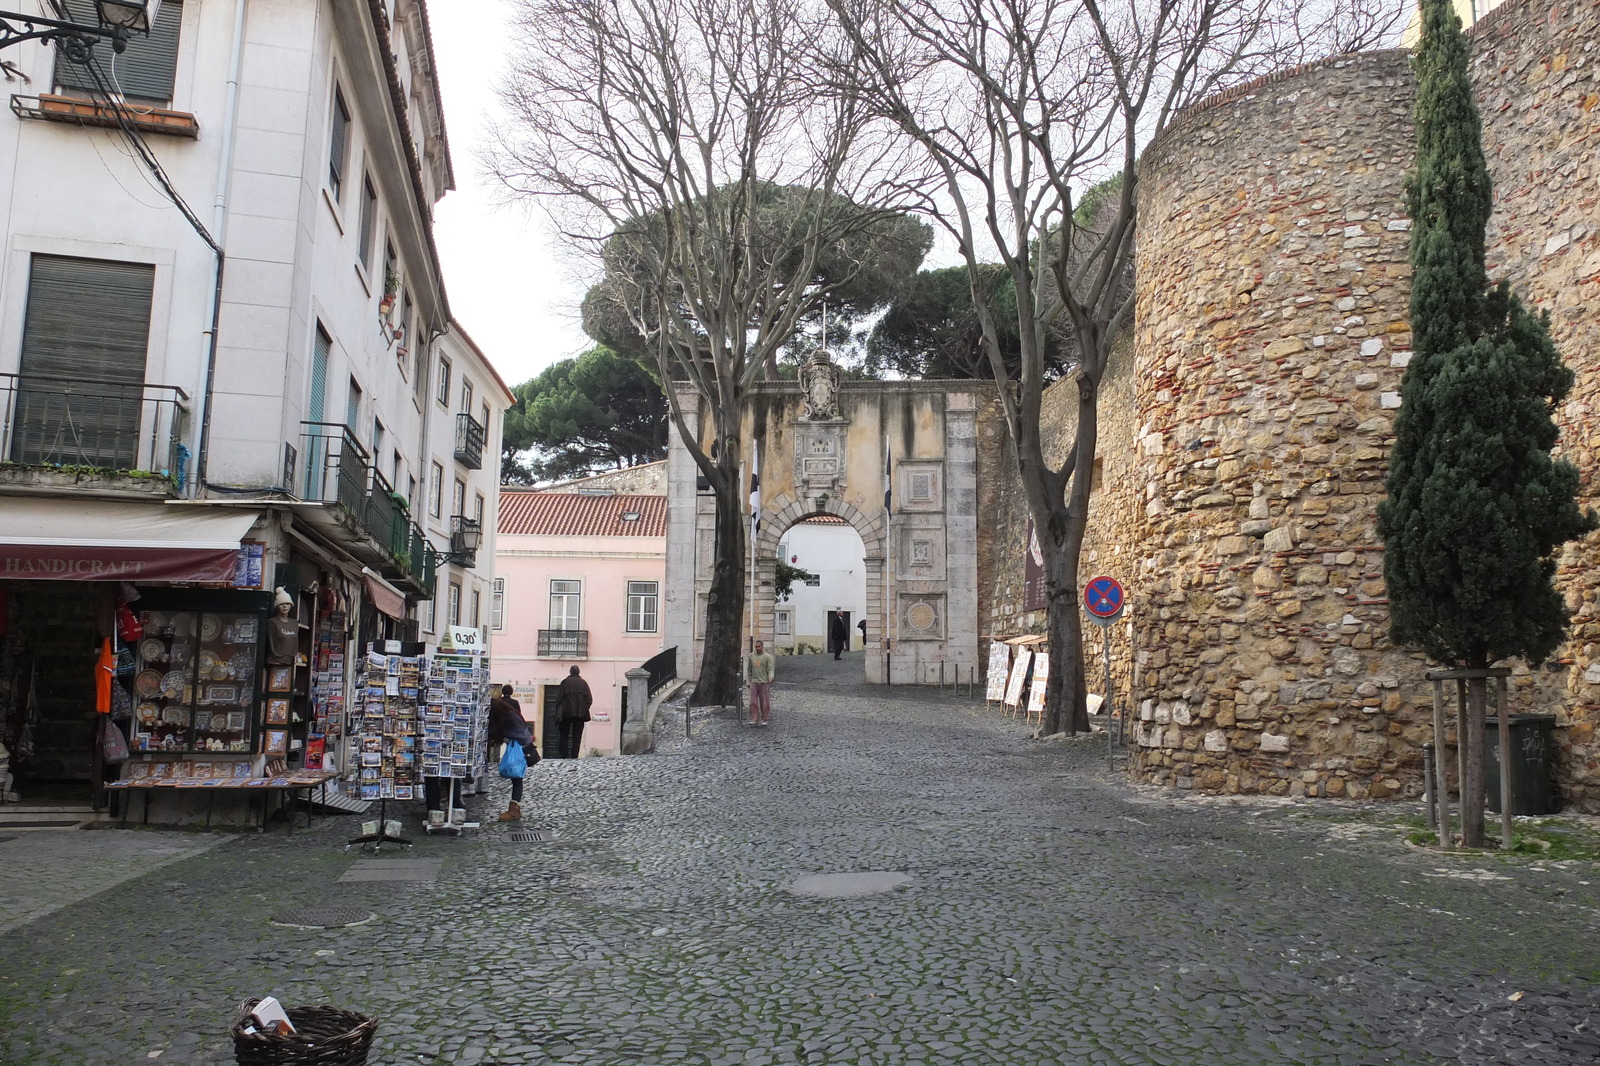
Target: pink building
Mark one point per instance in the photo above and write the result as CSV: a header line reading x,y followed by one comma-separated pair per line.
x,y
578,582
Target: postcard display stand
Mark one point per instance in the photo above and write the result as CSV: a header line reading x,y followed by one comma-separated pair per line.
x,y
383,734
455,727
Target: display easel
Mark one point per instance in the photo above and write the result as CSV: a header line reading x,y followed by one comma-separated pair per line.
x,y
382,836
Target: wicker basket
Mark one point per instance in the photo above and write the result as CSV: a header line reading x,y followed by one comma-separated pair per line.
x,y
324,1036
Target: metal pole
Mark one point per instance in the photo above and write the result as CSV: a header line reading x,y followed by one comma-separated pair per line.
x,y
1430,815
1461,749
1505,766
1441,789
1105,701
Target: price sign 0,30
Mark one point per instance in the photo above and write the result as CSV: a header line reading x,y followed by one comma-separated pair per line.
x,y
1104,599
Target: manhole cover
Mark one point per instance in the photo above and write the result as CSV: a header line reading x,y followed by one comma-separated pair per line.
x,y
529,836
323,917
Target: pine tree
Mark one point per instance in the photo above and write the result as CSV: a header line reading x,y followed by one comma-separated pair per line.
x,y
1476,503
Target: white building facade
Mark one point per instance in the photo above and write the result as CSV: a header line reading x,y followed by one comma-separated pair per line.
x,y
269,392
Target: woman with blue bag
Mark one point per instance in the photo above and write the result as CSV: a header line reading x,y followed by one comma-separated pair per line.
x,y
508,727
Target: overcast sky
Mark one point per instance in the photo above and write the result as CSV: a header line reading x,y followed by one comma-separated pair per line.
x,y
513,286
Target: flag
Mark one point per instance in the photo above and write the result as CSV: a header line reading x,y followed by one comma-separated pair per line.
x,y
755,489
888,479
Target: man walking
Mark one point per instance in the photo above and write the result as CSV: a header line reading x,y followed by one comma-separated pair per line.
x,y
838,634
759,669
575,702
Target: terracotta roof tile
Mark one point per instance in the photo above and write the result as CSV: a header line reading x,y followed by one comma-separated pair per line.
x,y
579,514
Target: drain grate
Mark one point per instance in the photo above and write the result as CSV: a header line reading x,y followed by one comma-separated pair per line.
x,y
529,836
322,917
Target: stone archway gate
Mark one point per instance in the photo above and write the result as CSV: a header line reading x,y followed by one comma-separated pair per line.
x,y
832,447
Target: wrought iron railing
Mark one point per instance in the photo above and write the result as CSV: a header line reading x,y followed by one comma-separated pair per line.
x,y
334,465
470,435
107,425
662,668
563,643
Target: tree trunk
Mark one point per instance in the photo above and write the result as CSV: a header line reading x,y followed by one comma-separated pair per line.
x,y
718,683
1066,708
1472,794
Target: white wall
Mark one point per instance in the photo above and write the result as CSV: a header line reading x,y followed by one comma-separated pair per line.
x,y
834,553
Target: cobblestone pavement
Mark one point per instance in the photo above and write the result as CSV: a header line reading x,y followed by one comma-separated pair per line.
x,y
1047,913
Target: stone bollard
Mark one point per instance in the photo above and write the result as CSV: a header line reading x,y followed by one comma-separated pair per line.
x,y
636,723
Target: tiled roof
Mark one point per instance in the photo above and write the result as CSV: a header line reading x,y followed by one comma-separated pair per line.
x,y
579,514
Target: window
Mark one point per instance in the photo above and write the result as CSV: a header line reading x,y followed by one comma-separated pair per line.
x,y
377,442
781,622
444,381
430,611
477,607
497,604
477,509
435,489
566,599
369,221
466,396
419,356
642,601
458,498
84,338
454,613
338,144
411,492
145,72
398,466
352,406
484,418
316,409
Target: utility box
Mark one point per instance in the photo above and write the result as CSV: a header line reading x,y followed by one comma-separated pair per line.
x,y
1533,762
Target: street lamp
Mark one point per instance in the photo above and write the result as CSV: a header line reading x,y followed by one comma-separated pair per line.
x,y
466,536
118,19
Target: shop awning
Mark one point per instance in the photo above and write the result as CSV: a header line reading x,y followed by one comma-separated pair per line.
x,y
61,539
384,596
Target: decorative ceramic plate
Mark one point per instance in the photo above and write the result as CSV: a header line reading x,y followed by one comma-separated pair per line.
x,y
149,713
172,684
211,666
202,722
241,664
148,683
175,716
210,627
152,650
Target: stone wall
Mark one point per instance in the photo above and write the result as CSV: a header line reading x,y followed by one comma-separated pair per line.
x,y
1271,338
646,479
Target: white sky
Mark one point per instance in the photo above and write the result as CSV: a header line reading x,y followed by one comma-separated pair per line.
x,y
513,284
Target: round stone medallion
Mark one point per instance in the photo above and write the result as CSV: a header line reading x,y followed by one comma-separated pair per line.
x,y
921,617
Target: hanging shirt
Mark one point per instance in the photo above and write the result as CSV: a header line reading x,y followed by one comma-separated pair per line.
x,y
105,669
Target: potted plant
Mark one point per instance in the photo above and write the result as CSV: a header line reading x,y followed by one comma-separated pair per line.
x,y
391,289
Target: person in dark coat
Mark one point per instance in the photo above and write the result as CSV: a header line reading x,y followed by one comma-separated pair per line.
x,y
576,699
838,635
507,726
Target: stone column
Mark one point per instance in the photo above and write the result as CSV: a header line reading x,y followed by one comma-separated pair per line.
x,y
636,700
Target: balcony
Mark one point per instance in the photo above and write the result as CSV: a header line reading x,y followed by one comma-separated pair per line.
x,y
563,643
365,514
470,434
83,433
80,112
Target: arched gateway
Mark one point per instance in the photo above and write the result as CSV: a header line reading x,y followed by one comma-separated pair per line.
x,y
841,448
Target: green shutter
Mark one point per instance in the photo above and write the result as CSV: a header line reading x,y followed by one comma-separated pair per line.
x,y
84,339
146,71
315,403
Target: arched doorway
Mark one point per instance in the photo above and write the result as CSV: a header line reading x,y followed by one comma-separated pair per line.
x,y
849,581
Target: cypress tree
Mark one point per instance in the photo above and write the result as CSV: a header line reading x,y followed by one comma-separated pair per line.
x,y
1476,504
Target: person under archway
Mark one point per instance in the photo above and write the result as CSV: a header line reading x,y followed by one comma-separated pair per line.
x,y
838,635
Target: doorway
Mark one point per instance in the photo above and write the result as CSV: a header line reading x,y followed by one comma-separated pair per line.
x,y
550,723
835,645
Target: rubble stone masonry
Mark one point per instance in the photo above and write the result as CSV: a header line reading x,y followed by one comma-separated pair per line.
x,y
1242,475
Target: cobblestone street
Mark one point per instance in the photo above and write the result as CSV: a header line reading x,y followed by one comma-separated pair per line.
x,y
1044,912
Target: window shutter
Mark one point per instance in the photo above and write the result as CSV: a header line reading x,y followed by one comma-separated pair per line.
x,y
87,324
146,71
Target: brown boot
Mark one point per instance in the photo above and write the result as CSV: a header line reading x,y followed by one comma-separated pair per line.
x,y
513,812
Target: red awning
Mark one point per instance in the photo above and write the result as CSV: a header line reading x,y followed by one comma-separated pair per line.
x,y
385,597
63,539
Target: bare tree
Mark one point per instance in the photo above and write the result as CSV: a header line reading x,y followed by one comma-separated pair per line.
x,y
725,196
1022,106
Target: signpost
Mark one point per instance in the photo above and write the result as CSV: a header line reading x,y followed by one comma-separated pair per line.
x,y
1104,600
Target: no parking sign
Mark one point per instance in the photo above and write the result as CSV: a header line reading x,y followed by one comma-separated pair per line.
x,y
1104,600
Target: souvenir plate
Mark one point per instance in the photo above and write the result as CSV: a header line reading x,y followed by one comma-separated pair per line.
x,y
211,666
222,693
202,722
175,716
148,683
244,630
172,685
152,650
241,664
149,712
210,627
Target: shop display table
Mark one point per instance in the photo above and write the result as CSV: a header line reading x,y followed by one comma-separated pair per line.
x,y
269,788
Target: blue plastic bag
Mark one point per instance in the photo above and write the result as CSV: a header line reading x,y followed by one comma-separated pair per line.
x,y
513,763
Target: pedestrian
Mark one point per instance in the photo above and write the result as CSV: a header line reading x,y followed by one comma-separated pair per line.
x,y
759,669
576,699
862,625
838,634
507,726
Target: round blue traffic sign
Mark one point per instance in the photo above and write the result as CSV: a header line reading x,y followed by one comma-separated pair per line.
x,y
1104,599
